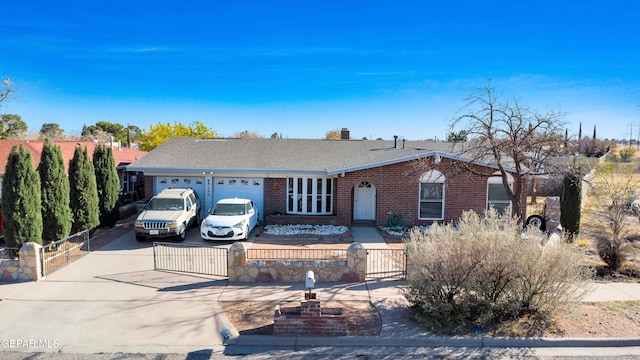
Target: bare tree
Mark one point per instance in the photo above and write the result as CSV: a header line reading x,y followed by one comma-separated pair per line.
x,y
518,140
247,135
6,88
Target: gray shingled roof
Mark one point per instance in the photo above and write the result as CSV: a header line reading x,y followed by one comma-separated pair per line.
x,y
285,155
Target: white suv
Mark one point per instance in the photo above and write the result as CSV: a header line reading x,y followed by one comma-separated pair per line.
x,y
168,214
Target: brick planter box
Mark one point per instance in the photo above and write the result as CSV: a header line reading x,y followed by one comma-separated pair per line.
x,y
310,319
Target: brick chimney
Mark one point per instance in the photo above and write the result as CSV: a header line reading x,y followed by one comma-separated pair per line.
x,y
344,134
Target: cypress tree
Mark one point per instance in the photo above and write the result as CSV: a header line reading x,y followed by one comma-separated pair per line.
x,y
83,194
56,213
22,219
580,132
108,185
570,204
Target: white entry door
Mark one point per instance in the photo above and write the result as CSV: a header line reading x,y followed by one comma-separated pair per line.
x,y
364,201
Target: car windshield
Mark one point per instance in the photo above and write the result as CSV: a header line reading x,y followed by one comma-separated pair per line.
x,y
228,209
165,204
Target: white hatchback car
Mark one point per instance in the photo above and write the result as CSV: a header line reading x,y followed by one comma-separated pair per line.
x,y
229,219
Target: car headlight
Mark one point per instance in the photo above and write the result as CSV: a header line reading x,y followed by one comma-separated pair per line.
x,y
138,223
172,223
240,225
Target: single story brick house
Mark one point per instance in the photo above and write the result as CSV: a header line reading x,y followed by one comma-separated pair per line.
x,y
337,182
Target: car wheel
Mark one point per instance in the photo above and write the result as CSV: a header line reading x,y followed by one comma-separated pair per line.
x,y
536,221
140,238
183,234
246,233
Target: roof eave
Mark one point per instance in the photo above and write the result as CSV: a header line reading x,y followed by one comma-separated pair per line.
x,y
224,170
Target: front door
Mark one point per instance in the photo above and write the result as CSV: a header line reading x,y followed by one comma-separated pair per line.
x,y
364,201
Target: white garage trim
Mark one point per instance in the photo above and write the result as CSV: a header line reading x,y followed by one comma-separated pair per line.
x,y
240,187
197,183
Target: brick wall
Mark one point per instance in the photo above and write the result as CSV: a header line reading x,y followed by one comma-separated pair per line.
x,y
309,319
275,196
148,187
397,191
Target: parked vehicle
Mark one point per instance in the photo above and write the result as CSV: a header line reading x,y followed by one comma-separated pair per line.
x,y
229,219
168,214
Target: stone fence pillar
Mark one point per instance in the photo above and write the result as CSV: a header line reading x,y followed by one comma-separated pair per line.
x,y
237,261
357,261
28,266
30,260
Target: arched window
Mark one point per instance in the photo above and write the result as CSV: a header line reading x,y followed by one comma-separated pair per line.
x,y
497,196
432,196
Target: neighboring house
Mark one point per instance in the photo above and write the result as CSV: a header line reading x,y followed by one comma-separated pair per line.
x,y
132,183
325,181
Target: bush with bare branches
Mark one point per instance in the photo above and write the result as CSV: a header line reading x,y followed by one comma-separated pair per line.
x,y
485,269
613,200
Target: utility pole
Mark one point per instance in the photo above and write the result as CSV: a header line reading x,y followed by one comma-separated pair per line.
x,y
638,106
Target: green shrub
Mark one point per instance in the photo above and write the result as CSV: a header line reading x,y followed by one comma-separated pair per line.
x,y
56,213
21,203
83,196
486,270
570,204
108,185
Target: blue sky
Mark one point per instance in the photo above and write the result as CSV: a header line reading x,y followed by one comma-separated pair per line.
x,y
302,68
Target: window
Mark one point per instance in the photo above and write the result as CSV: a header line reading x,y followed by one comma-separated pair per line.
x,y
497,196
309,196
432,196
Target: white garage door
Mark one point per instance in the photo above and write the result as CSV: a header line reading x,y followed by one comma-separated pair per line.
x,y
247,188
194,182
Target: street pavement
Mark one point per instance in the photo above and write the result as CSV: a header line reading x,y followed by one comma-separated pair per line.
x,y
112,301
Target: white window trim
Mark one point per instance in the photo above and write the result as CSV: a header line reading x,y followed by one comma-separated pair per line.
x,y
432,177
314,195
496,178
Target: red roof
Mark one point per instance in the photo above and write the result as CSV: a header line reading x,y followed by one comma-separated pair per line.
x,y
121,155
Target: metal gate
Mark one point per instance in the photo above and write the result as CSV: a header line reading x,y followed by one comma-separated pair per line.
x,y
188,258
63,252
386,263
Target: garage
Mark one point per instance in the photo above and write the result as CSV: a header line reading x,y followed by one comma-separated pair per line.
x,y
196,183
248,188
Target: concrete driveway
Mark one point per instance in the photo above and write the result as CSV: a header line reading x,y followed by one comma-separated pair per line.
x,y
110,301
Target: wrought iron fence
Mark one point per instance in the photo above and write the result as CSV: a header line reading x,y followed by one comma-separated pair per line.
x,y
195,259
535,209
386,263
297,254
9,253
63,252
